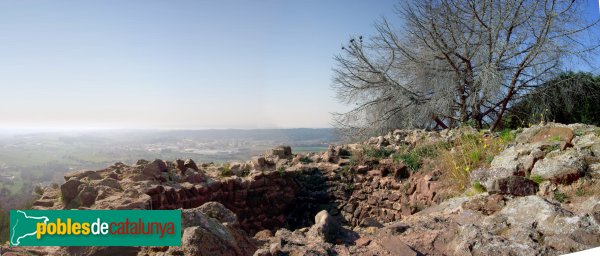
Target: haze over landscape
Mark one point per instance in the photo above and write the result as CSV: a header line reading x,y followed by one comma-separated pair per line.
x,y
286,113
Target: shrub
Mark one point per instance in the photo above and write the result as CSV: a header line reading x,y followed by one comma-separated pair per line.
x,y
356,158
411,160
281,170
305,160
568,98
346,170
226,170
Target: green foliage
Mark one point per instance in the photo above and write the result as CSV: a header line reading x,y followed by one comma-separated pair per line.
x,y
506,136
346,170
489,159
568,98
469,152
551,148
226,170
560,196
555,138
411,160
305,160
579,191
537,179
478,187
378,153
281,170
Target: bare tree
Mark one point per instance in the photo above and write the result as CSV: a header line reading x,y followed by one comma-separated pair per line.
x,y
455,61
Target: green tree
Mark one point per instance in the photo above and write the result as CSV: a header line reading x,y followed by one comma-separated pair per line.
x,y
568,98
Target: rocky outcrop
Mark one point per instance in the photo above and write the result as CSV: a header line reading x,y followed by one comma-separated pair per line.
x,y
331,204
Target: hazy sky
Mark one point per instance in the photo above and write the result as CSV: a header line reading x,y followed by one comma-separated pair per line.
x,y
175,64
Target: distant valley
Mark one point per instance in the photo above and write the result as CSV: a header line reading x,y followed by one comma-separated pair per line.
x,y
42,158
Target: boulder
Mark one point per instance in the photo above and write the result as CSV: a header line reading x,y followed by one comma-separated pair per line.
x,y
514,185
44,203
259,162
282,152
110,182
154,169
331,155
180,164
70,189
595,148
326,228
507,159
141,162
562,168
210,239
395,246
487,177
219,212
370,222
550,133
190,164
92,175
533,211
486,204
194,177
87,195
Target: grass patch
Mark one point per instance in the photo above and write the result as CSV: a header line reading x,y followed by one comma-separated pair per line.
x,y
555,138
579,191
478,187
413,158
378,153
469,152
560,196
537,179
506,136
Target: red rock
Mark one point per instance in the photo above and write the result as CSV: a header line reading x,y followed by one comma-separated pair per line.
x,y
396,247
363,241
548,133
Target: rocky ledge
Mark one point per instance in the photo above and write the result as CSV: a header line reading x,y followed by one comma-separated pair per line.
x,y
540,195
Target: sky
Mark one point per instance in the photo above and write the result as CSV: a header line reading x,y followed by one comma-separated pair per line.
x,y
175,64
